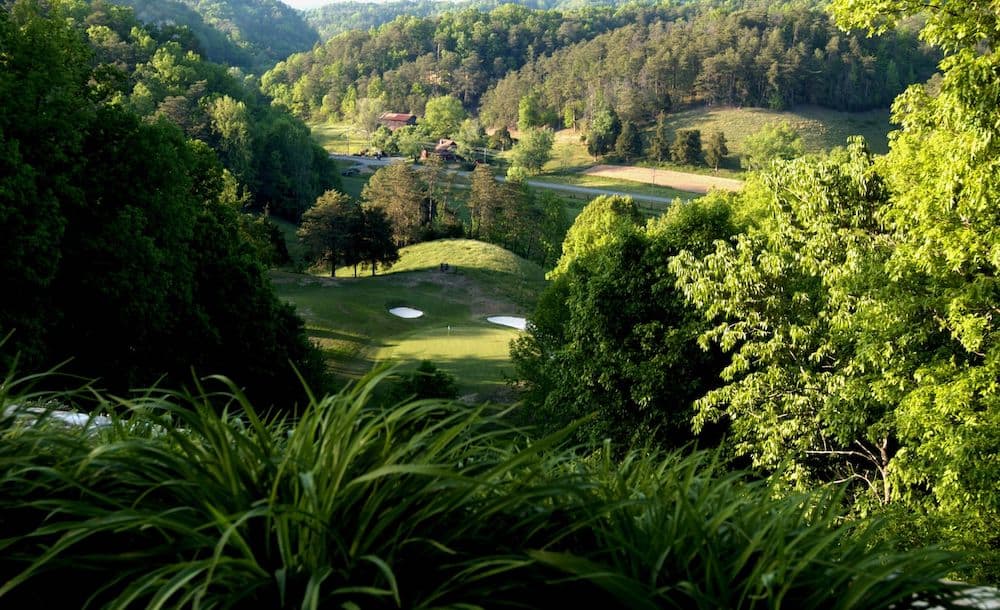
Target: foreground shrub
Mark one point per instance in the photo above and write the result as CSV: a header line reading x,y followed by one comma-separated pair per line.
x,y
426,504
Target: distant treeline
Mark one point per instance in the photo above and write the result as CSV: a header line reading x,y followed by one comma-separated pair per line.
x,y
339,17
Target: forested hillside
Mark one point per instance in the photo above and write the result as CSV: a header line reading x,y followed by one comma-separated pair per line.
x,y
125,247
250,34
410,59
157,73
639,60
338,17
773,56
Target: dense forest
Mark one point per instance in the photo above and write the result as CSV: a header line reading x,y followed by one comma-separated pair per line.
x,y
339,17
773,56
124,231
410,59
156,72
250,34
639,60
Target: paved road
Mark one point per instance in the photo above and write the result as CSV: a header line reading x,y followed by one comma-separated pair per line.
x,y
368,161
372,162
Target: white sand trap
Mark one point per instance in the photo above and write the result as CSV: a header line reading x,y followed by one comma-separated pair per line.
x,y
406,312
511,321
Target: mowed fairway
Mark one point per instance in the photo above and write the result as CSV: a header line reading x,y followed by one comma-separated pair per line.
x,y
349,318
477,354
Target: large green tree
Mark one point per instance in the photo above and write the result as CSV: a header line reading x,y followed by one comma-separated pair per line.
x,y
398,191
715,149
771,143
376,244
861,312
328,229
612,335
659,144
443,116
628,145
596,226
800,390
943,170
43,72
533,150
486,204
686,147
603,131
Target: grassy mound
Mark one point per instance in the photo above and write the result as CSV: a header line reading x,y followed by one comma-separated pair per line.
x,y
488,262
421,505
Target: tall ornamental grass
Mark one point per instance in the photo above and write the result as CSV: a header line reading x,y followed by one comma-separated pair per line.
x,y
426,504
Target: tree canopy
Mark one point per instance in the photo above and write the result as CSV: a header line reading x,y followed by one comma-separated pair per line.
x,y
133,266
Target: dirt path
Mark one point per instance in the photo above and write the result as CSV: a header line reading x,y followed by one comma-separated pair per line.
x,y
694,183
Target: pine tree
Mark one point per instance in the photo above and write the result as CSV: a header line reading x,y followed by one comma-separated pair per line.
x,y
686,148
659,144
629,142
715,149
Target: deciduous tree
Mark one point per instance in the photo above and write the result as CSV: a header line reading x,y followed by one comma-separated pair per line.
x,y
603,131
533,150
773,142
443,116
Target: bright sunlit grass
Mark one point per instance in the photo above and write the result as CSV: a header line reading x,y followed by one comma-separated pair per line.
x,y
350,320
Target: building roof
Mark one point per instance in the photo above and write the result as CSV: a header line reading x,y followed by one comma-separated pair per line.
x,y
397,116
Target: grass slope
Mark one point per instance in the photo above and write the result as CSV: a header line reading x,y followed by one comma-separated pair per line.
x,y
349,317
821,129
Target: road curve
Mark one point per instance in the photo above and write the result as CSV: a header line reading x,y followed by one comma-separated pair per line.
x,y
372,162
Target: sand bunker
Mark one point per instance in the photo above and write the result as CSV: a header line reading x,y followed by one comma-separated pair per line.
x,y
406,312
511,321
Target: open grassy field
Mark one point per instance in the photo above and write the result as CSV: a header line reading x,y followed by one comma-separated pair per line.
x,y
569,153
349,317
821,129
341,138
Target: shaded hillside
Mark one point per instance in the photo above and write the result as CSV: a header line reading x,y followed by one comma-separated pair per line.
x,y
250,34
339,17
156,73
